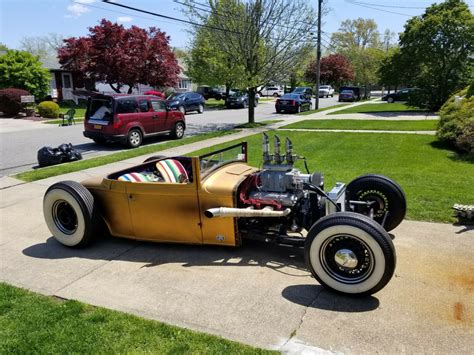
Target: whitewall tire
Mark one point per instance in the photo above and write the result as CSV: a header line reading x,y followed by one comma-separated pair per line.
x,y
350,253
70,215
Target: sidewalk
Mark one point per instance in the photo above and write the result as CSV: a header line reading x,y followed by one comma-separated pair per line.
x,y
258,294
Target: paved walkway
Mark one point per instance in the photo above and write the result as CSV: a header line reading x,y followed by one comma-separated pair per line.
x,y
258,294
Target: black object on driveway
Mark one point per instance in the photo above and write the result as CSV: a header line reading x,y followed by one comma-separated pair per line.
x,y
51,156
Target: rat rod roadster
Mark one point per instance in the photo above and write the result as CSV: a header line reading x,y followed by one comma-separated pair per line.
x,y
218,199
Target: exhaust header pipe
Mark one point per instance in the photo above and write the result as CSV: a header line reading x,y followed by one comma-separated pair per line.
x,y
245,212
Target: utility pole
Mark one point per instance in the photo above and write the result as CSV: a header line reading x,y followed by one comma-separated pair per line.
x,y
318,55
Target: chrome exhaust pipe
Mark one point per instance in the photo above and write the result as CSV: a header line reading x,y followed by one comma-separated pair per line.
x,y
245,212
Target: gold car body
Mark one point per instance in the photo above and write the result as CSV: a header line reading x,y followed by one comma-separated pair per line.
x,y
170,212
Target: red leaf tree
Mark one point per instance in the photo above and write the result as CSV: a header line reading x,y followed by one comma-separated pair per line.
x,y
119,56
335,70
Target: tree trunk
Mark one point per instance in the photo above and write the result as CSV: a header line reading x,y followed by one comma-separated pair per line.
x,y
227,90
130,88
116,89
252,92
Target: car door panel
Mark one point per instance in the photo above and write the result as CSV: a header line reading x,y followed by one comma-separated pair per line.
x,y
160,116
165,212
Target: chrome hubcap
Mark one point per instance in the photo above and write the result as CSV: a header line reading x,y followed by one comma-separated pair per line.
x,y
179,130
346,259
135,138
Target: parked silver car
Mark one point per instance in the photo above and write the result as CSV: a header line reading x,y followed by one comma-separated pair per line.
x,y
326,91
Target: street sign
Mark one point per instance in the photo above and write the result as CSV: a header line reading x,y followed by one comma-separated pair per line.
x,y
25,99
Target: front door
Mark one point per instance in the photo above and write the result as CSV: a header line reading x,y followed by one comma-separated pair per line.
x,y
165,212
67,86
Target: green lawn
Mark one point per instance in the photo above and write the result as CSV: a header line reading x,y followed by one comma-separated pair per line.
x,y
215,104
34,324
381,107
418,125
304,113
55,170
433,177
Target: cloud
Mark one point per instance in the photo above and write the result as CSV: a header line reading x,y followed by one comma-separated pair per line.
x,y
85,1
124,19
76,9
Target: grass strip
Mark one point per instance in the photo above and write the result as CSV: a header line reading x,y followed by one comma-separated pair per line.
x,y
382,107
431,174
405,125
35,324
304,113
257,124
55,170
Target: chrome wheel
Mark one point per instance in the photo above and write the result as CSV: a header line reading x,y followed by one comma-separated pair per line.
x,y
182,109
347,258
134,138
64,217
200,108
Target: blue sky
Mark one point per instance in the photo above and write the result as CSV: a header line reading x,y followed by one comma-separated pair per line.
x,y
21,18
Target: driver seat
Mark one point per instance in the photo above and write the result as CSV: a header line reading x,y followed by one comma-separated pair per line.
x,y
172,171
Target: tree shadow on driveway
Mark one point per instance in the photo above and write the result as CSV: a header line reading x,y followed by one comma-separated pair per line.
x,y
285,260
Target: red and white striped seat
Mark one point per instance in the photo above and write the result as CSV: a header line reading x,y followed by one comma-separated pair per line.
x,y
172,171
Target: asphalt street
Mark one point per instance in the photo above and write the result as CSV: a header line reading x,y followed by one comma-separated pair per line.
x,y
18,147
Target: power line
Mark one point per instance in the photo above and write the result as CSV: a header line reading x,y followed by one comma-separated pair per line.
x,y
170,17
377,9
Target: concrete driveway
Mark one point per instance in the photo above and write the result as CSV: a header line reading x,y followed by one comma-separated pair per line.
x,y
258,294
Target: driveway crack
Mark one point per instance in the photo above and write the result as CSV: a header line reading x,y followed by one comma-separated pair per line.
x,y
303,316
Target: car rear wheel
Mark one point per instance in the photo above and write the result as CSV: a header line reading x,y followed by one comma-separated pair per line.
x,y
350,253
134,138
275,94
178,130
200,108
389,201
70,214
390,100
298,109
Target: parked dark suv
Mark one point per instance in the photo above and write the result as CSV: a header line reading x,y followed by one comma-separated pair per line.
x,y
129,119
210,93
186,102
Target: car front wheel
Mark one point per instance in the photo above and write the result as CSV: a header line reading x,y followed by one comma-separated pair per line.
x,y
390,100
178,130
388,202
70,213
350,253
182,110
200,108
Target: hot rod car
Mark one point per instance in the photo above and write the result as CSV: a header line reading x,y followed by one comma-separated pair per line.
x,y
217,198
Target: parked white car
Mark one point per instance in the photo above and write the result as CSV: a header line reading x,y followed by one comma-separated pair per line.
x,y
326,90
271,91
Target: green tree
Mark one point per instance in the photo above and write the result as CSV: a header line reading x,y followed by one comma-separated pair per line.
x,y
24,71
208,64
263,38
438,46
359,41
392,68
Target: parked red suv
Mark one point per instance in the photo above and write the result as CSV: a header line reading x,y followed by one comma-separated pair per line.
x,y
129,119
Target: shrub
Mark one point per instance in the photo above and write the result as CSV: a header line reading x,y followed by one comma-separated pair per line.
x,y
10,101
456,125
48,109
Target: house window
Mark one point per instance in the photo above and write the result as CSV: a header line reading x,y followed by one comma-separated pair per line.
x,y
67,82
183,84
